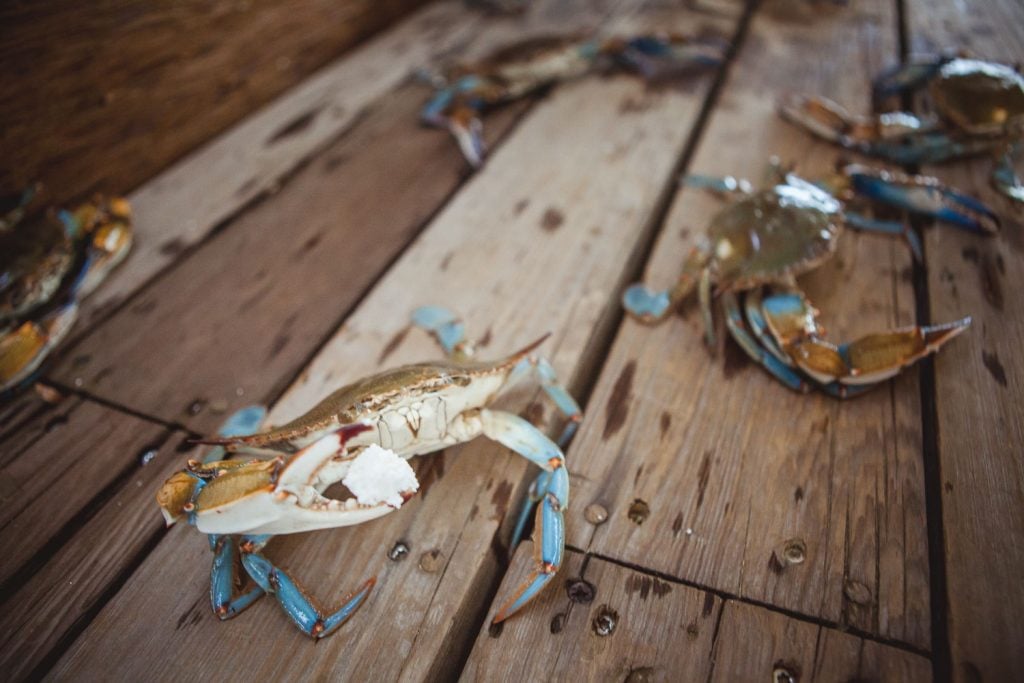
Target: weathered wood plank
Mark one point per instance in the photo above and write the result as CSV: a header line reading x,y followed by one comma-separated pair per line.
x,y
979,385
183,204
730,467
653,630
665,631
56,600
58,462
232,323
754,643
105,96
576,155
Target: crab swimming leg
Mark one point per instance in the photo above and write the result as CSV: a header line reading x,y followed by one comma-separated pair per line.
x,y
552,488
861,363
223,579
310,619
760,354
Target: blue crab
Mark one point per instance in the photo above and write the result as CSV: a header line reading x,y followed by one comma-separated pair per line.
x,y
412,410
464,92
49,261
767,238
979,106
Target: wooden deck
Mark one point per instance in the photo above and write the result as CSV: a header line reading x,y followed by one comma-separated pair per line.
x,y
747,532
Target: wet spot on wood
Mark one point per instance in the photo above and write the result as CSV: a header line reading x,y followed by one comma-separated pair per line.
x,y
647,585
907,275
500,498
191,616
295,126
558,622
473,511
692,631
312,242
636,477
552,219
703,474
634,105
495,629
520,206
143,307
798,494
393,343
709,605
334,161
664,423
280,341
172,247
617,408
677,524
949,487
994,367
969,254
81,360
638,511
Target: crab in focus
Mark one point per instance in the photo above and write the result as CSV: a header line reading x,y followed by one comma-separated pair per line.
x,y
464,92
49,261
756,246
979,109
410,410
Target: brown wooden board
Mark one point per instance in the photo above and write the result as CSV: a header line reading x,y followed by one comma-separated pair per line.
x,y
55,601
232,323
666,631
709,469
55,464
588,154
979,384
102,97
185,202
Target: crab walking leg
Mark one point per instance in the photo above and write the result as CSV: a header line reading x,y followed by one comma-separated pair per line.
x,y
446,327
1004,175
736,327
223,580
552,487
548,380
297,605
758,325
897,228
245,420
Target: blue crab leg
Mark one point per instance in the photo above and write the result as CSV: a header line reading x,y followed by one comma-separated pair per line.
x,y
726,185
548,380
223,580
1004,175
552,488
925,196
446,327
658,57
908,76
755,320
781,371
455,110
898,228
245,420
297,605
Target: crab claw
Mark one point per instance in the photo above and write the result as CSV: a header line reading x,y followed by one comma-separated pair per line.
x,y
645,305
792,321
24,348
465,126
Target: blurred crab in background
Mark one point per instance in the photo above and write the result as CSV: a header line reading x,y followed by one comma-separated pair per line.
x,y
979,109
756,247
410,410
49,261
464,92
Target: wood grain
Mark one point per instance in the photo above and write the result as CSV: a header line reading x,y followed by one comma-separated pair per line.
x,y
102,97
666,631
55,465
232,323
576,153
56,601
979,384
709,469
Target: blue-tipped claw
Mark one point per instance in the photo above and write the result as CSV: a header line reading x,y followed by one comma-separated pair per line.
x,y
645,305
443,324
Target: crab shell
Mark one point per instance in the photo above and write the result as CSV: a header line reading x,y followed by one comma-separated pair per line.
x,y
782,231
981,98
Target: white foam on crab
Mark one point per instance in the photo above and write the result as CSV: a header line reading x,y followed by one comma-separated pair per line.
x,y
378,475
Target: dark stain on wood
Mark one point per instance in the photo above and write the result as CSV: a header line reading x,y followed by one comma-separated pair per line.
x,y
709,605
798,494
500,499
446,261
332,162
191,616
646,585
312,242
664,423
172,247
295,126
393,343
520,206
990,270
617,408
734,359
703,474
634,105
552,219
994,367
677,524
280,341
431,470
636,477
